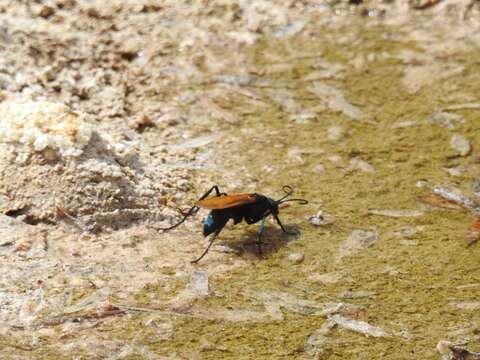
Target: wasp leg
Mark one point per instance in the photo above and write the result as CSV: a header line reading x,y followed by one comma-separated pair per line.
x,y
259,236
212,239
217,192
194,209
183,213
281,226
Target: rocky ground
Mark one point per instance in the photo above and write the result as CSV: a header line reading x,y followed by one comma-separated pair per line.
x,y
114,114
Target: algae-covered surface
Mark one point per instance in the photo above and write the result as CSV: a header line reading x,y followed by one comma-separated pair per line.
x,y
369,112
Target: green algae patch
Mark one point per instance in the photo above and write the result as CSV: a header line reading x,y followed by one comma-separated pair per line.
x,y
415,284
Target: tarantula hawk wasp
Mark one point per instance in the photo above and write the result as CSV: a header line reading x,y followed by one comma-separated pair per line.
x,y
250,208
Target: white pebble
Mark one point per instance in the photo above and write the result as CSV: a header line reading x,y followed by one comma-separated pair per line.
x,y
295,258
460,145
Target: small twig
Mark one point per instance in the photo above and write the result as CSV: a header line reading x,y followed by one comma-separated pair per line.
x,y
19,347
43,234
95,315
424,5
157,310
140,309
63,215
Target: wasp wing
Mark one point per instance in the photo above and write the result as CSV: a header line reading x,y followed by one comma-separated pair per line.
x,y
228,201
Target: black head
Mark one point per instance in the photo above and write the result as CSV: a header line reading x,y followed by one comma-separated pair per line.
x,y
288,192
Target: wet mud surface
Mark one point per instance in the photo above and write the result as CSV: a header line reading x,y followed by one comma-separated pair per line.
x,y
369,111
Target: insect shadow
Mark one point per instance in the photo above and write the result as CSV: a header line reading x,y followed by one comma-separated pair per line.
x,y
273,240
251,208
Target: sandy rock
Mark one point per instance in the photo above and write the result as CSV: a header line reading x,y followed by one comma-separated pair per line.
x,y
66,163
40,125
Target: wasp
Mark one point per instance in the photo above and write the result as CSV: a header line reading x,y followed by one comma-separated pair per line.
x,y
250,208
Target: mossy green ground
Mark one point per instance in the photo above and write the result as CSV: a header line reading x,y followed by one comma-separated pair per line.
x,y
417,299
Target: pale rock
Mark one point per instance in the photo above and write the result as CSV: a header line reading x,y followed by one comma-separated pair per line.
x,y
335,133
356,241
460,144
319,168
336,101
357,164
361,327
327,278
296,258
